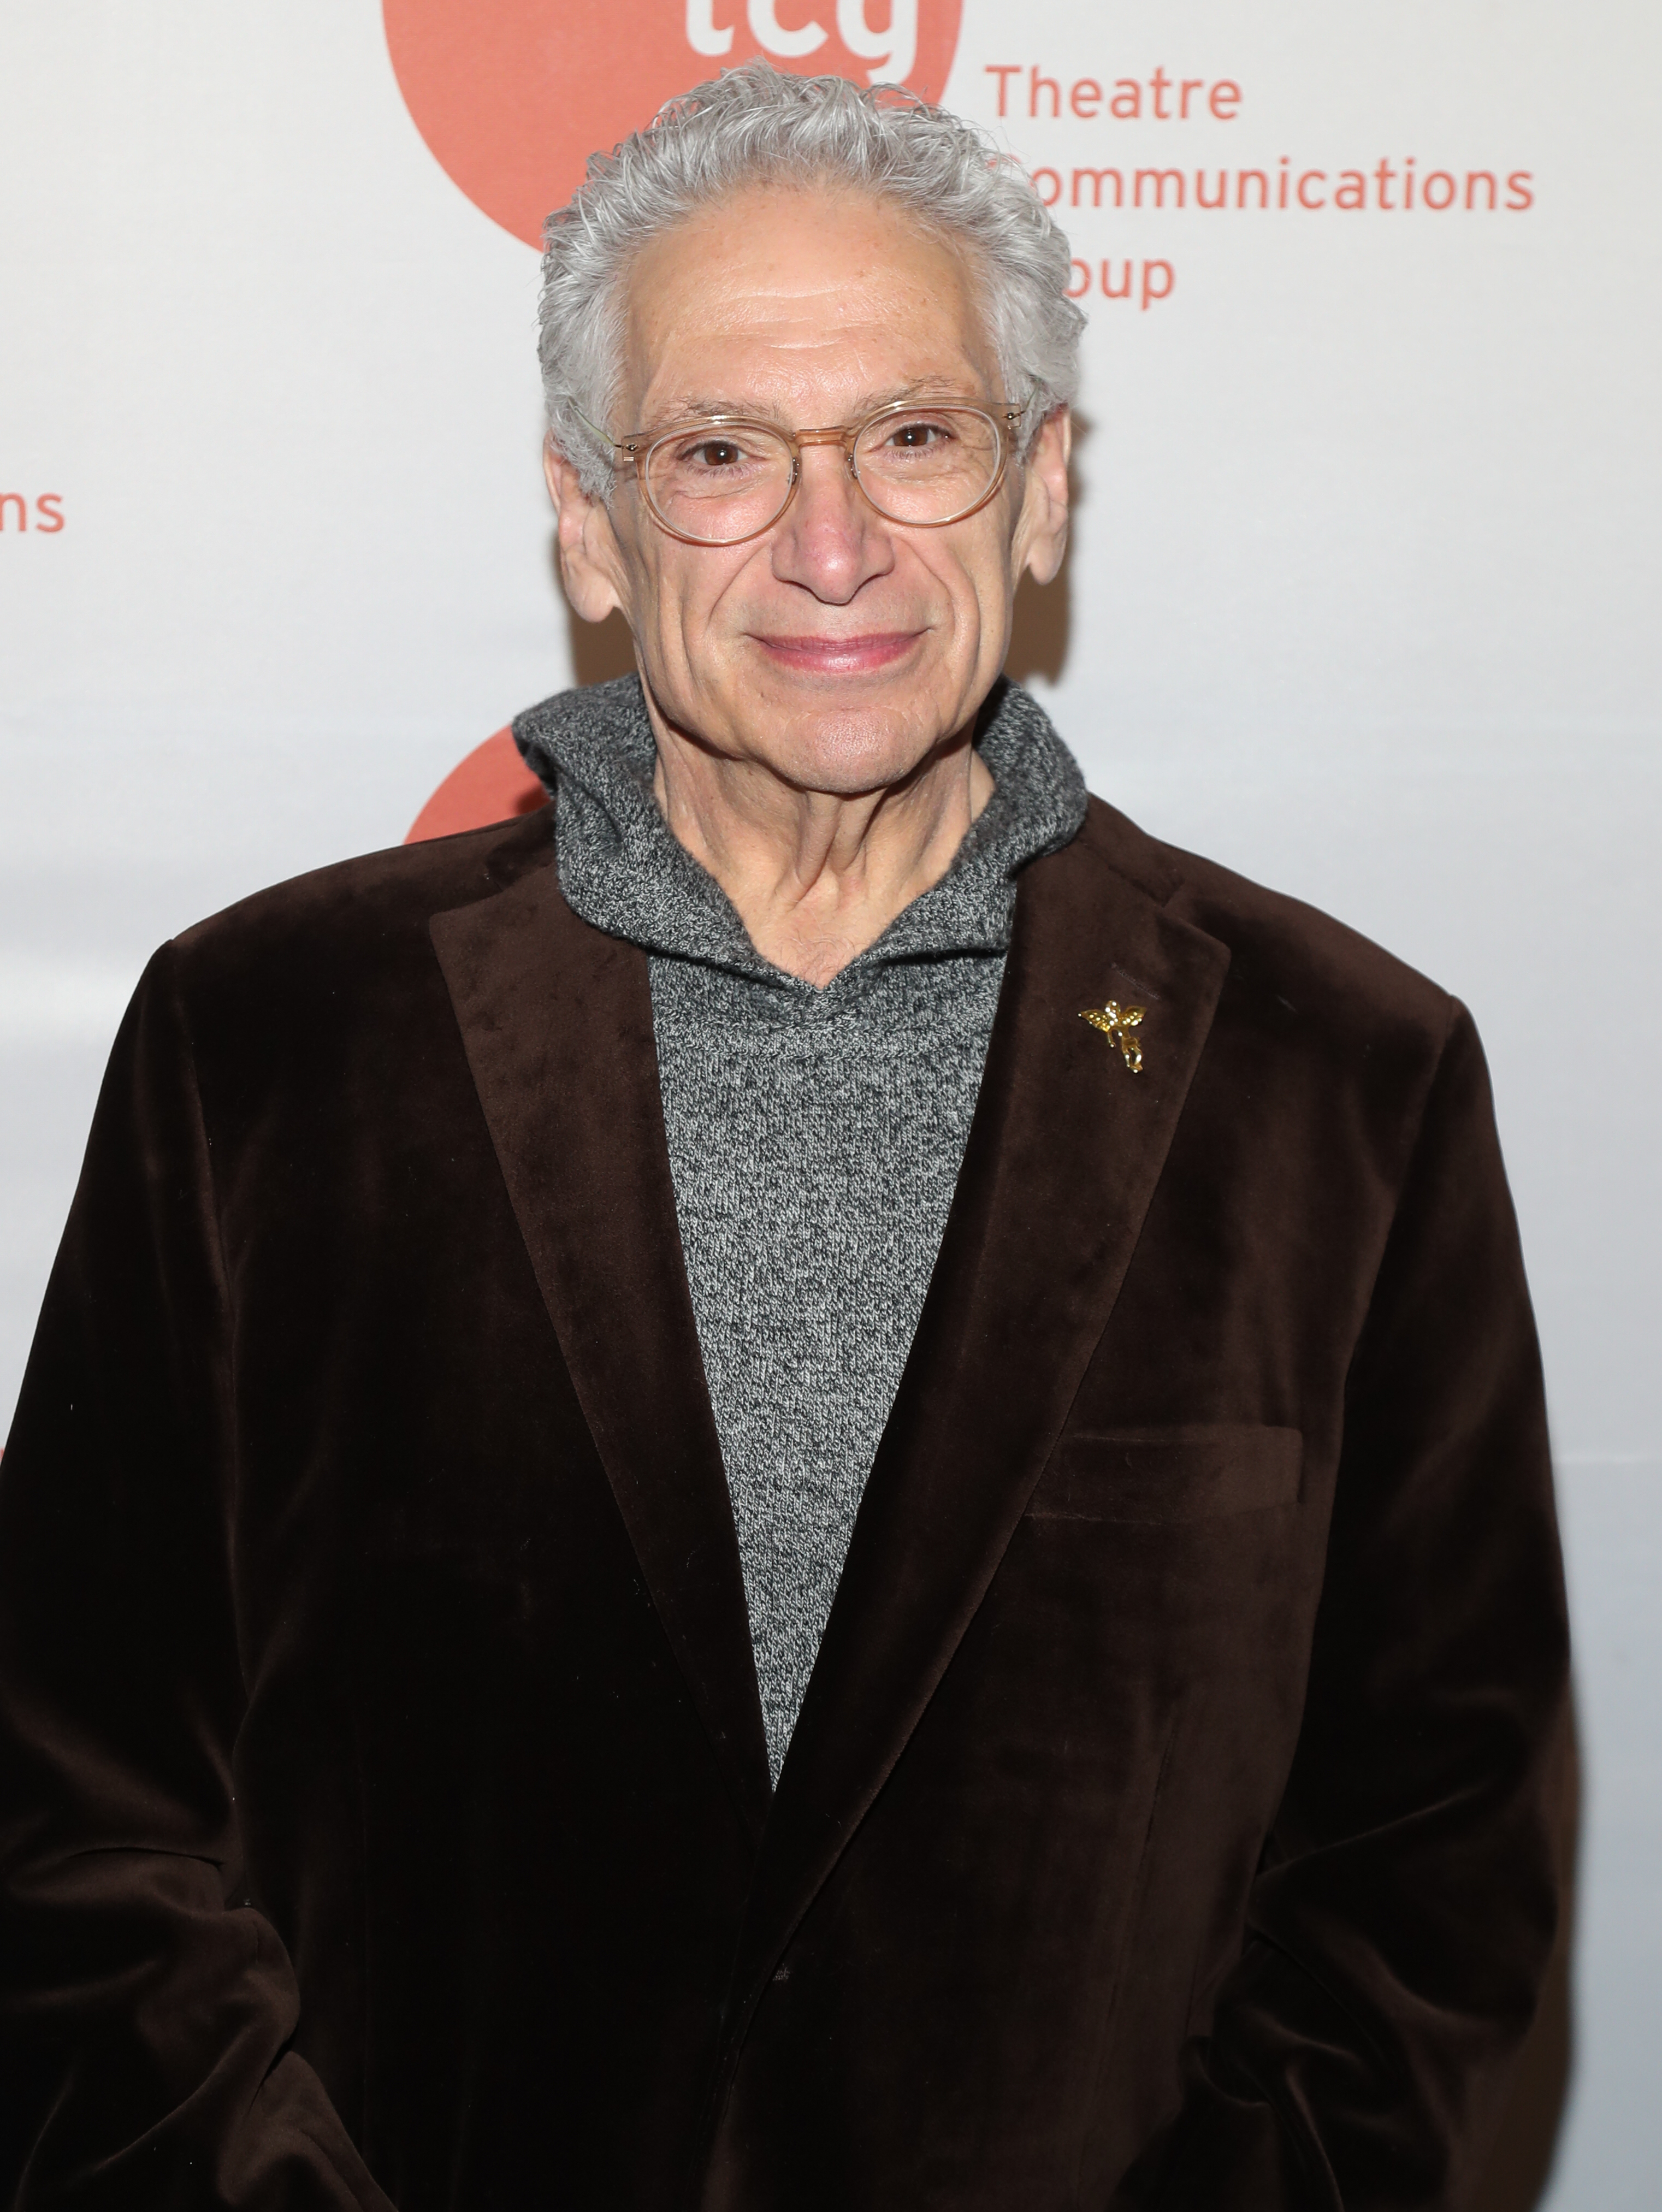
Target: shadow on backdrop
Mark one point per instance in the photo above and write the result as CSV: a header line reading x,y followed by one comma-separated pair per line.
x,y
1039,627
1042,624
601,650
1520,2164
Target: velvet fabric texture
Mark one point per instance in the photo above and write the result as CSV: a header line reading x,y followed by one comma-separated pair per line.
x,y
384,1808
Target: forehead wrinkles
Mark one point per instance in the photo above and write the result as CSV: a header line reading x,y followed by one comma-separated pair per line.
x,y
781,295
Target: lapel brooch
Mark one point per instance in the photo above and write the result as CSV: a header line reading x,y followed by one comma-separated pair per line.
x,y
1117,1023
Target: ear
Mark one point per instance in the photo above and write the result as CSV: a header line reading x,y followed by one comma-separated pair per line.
x,y
1041,532
591,567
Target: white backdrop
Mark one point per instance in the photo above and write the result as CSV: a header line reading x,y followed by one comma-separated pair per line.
x,y
1364,601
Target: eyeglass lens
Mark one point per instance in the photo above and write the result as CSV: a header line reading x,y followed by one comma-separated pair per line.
x,y
720,483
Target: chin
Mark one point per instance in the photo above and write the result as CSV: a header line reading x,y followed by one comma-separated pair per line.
x,y
850,749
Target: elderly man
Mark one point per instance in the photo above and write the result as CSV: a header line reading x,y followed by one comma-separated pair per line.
x,y
819,1484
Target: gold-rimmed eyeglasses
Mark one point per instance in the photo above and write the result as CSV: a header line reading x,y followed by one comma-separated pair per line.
x,y
719,479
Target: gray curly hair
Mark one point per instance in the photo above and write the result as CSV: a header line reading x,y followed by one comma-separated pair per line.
x,y
757,125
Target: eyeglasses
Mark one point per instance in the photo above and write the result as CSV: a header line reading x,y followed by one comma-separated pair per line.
x,y
719,479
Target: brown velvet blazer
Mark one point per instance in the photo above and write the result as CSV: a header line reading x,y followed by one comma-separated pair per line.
x,y
384,1812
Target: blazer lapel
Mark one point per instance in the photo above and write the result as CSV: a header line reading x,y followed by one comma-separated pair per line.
x,y
1065,1151
557,1020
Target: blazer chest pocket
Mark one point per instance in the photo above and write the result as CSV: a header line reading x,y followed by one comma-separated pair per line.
x,y
1192,1472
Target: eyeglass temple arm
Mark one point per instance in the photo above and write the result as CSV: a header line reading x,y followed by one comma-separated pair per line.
x,y
618,445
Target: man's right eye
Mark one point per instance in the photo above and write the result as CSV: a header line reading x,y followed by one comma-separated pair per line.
x,y
713,453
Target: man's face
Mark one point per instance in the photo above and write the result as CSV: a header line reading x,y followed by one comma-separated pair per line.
x,y
839,649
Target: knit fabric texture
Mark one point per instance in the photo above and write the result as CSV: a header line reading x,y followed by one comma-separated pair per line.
x,y
815,1135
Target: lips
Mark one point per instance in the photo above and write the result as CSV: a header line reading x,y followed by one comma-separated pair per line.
x,y
840,656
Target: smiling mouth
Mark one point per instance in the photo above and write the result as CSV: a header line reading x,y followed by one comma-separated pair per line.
x,y
840,656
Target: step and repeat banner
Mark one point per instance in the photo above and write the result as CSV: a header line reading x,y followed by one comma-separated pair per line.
x,y
1364,598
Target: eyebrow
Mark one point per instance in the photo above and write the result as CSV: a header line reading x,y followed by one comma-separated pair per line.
x,y
705,404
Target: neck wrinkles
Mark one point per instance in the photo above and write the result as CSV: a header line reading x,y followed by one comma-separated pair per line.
x,y
622,870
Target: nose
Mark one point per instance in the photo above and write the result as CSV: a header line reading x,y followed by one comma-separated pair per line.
x,y
831,540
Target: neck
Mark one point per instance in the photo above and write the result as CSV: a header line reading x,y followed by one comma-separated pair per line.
x,y
815,876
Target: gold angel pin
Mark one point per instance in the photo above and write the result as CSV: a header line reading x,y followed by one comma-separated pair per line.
x,y
1117,1023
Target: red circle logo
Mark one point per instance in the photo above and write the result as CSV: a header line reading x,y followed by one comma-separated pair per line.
x,y
512,96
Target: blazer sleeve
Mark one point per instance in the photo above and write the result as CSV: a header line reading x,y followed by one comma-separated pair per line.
x,y
1400,1925
146,2014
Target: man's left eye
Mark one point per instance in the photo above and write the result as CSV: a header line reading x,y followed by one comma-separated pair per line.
x,y
919,433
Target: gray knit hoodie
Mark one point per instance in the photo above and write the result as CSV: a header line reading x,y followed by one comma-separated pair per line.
x,y
815,1136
